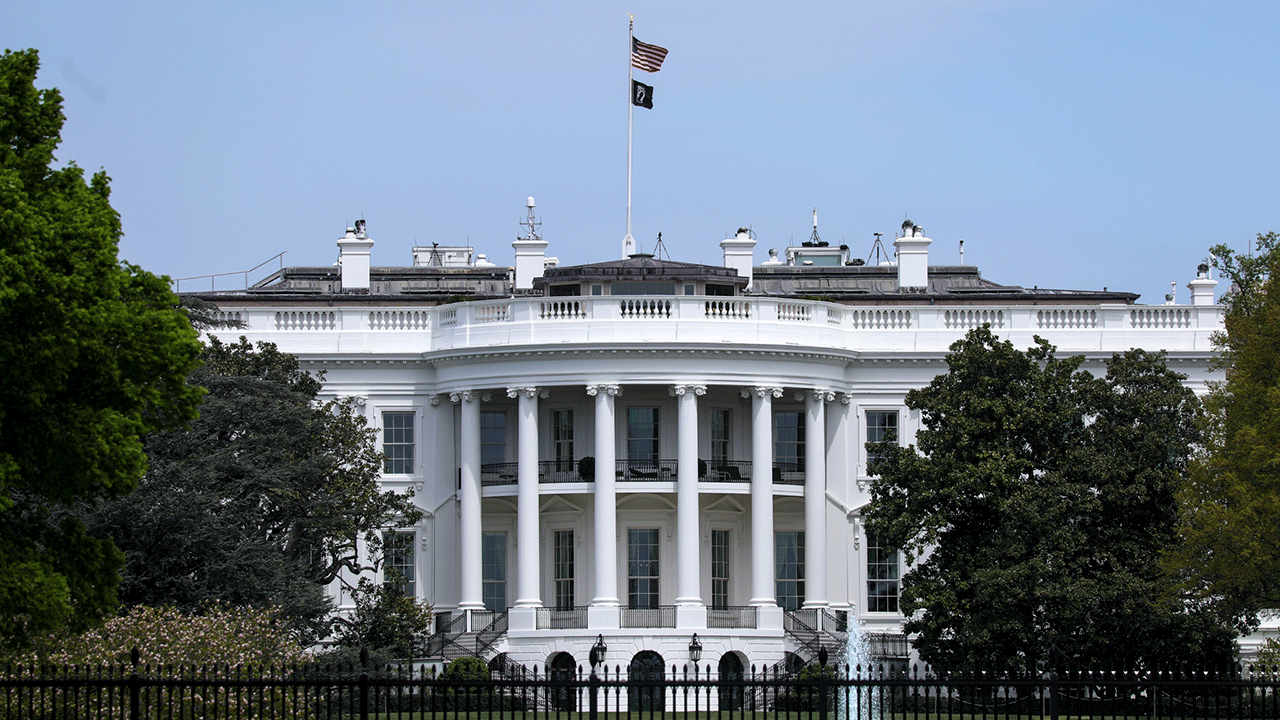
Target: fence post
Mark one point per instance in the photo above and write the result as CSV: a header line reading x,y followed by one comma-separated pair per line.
x,y
823,686
1053,695
594,713
135,686
364,683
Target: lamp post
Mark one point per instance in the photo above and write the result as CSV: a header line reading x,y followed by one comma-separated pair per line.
x,y
597,656
695,650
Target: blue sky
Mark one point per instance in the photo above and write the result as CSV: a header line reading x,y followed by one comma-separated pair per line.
x,y
1070,145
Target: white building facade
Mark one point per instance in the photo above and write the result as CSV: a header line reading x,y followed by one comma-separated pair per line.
x,y
644,452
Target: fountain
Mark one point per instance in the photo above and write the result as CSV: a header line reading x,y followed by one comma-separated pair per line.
x,y
854,661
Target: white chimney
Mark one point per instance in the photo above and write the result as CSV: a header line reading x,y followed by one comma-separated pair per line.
x,y
531,252
739,253
913,257
353,257
1202,287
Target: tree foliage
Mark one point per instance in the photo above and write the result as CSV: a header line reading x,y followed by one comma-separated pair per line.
x,y
95,355
1230,505
262,501
385,619
1037,501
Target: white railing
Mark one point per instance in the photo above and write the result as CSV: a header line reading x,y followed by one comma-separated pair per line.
x,y
1164,317
306,320
752,320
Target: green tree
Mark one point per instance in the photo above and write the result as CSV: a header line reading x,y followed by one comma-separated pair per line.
x,y
1230,557
385,620
1037,501
262,501
95,355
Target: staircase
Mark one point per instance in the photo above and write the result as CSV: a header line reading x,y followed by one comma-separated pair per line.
x,y
813,630
455,641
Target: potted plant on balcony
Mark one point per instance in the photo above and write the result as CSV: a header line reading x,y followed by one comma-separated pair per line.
x,y
587,468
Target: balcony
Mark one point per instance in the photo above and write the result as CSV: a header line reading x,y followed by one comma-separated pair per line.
x,y
558,619
663,616
562,471
743,616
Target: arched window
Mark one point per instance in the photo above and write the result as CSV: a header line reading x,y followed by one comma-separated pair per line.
x,y
645,691
730,672
563,669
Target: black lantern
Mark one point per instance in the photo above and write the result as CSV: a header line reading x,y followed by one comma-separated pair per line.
x,y
695,649
597,651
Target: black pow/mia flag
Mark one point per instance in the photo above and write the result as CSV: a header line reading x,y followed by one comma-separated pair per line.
x,y
641,94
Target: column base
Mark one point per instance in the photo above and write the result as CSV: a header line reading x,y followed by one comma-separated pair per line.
x,y
691,617
604,617
522,618
769,617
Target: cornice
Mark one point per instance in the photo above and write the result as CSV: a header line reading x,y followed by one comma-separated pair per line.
x,y
444,358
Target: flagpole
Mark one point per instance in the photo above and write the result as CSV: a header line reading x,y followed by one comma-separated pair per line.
x,y
628,244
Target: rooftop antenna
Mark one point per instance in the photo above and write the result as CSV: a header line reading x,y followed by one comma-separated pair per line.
x,y
659,250
434,258
530,223
962,252
814,237
877,251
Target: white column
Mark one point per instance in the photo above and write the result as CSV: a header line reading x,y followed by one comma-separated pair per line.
x,y
527,565
815,497
471,595
690,609
606,509
763,591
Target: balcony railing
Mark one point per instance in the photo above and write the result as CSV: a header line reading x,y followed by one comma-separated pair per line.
x,y
743,616
556,619
564,471
663,616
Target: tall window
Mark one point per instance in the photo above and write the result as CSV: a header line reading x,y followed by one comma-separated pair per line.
x,y
397,443
882,577
881,425
493,438
788,440
563,560
719,569
493,561
642,434
789,558
398,565
562,439
642,567
719,436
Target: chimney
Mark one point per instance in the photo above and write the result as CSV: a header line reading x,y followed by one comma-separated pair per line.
x,y
353,257
531,252
1202,287
913,257
739,253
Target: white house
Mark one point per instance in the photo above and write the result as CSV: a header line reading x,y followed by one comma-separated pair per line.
x,y
644,451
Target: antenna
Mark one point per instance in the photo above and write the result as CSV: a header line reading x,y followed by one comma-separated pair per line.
x,y
961,252
530,223
813,239
434,258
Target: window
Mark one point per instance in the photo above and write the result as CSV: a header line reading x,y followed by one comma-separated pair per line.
x,y
642,434
882,577
493,438
397,443
719,569
493,561
881,425
398,564
562,439
719,437
563,560
789,558
642,568
788,441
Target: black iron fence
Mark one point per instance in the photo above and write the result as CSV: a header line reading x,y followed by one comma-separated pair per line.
x,y
324,693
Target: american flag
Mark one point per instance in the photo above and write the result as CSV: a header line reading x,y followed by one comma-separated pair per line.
x,y
647,57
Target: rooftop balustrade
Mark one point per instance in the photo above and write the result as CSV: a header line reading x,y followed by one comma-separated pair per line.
x,y
518,321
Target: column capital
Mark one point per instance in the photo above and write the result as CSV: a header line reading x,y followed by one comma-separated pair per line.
x,y
819,394
528,392
463,396
762,391
677,390
434,398
606,388
846,398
